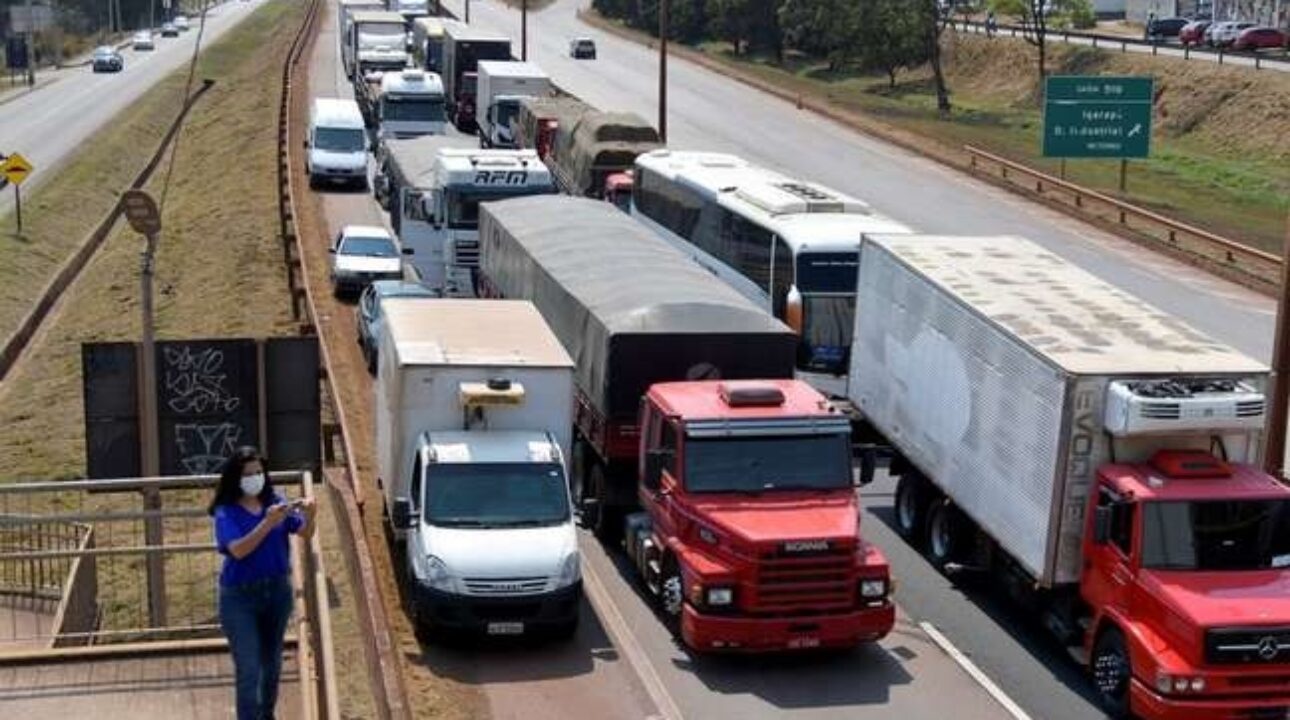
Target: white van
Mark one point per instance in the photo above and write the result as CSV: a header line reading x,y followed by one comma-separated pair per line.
x,y
336,149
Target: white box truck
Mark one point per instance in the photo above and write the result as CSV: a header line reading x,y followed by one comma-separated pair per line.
x,y
474,418
1097,456
500,87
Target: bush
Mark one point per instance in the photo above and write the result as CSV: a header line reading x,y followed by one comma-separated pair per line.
x,y
1082,16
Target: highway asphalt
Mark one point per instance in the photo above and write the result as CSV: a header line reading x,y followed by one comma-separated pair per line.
x,y
49,123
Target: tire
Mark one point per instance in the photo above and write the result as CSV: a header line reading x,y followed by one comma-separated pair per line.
x,y
671,596
946,533
1112,673
912,499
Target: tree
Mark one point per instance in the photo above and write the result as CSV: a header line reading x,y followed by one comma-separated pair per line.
x,y
937,18
826,28
746,23
892,35
1035,16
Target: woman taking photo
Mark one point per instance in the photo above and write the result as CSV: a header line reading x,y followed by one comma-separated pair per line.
x,y
251,527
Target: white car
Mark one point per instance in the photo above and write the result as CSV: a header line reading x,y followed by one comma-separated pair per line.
x,y
362,254
181,22
143,41
1225,33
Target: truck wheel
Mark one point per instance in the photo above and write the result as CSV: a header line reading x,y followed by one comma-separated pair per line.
x,y
1112,673
945,533
911,507
671,595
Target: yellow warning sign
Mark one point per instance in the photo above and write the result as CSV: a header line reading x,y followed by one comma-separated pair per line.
x,y
15,168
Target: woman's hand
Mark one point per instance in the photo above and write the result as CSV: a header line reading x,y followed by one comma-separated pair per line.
x,y
275,514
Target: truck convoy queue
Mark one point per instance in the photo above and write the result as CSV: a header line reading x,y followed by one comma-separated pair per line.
x,y
700,359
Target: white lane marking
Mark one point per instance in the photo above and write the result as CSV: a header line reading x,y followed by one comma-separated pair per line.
x,y
622,637
971,669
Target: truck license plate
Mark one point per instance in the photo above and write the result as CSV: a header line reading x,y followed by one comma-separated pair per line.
x,y
800,643
506,628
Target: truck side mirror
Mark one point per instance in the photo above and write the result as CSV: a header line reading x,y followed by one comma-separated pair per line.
x,y
1102,525
401,514
408,251
654,461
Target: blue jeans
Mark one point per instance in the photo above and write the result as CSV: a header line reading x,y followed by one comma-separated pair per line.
x,y
254,617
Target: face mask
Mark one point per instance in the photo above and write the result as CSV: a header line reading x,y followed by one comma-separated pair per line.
x,y
253,484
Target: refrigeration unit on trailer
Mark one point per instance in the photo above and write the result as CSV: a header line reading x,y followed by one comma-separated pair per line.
x,y
1097,454
730,482
790,245
474,407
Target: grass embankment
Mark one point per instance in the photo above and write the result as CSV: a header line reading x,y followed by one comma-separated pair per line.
x,y
1221,138
219,273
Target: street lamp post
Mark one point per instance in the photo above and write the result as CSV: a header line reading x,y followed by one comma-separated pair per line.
x,y
662,68
1275,453
524,30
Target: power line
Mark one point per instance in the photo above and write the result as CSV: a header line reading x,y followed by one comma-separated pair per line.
x,y
188,88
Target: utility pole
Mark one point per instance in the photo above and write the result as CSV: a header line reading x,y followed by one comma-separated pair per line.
x,y
467,12
145,218
31,45
1275,453
662,69
524,30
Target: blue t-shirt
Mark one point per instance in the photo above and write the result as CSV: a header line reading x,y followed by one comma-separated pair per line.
x,y
271,558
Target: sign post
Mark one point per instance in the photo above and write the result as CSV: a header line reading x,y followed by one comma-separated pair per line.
x,y
1098,117
15,169
142,213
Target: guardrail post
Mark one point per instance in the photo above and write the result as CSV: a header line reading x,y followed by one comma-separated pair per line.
x,y
1094,41
1124,47
1154,48
1186,52
1220,56
1257,59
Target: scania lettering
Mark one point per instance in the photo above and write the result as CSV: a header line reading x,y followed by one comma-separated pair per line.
x,y
433,187
1103,467
789,245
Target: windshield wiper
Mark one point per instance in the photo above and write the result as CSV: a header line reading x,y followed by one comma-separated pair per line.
x,y
458,522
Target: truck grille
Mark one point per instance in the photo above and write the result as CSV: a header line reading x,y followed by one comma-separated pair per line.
x,y
819,582
465,253
1240,646
505,586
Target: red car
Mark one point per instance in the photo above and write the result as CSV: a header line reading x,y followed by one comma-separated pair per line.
x,y
1193,33
1260,38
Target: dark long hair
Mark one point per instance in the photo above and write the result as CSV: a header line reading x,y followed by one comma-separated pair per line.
x,y
229,489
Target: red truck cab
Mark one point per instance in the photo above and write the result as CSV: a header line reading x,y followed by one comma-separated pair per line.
x,y
618,190
1186,576
749,538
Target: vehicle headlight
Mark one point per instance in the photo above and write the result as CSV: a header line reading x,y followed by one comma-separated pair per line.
x,y
570,571
437,574
720,596
873,589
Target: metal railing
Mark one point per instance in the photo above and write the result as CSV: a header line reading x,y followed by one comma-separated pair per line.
x,y
1247,265
1249,58
73,575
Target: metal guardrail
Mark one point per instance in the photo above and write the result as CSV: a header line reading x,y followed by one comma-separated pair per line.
x,y
1245,264
75,588
384,675
1102,41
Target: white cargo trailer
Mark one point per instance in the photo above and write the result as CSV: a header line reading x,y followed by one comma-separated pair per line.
x,y
500,87
1007,377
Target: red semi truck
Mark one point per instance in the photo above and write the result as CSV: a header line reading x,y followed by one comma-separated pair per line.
x,y
1094,455
733,481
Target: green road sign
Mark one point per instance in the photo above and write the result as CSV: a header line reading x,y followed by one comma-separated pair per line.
x,y
1097,117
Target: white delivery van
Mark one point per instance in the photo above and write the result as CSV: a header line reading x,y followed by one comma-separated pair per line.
x,y
474,418
336,148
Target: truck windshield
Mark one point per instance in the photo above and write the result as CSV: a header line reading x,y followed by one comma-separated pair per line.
x,y
764,464
506,111
414,109
495,495
827,323
1216,535
463,205
340,139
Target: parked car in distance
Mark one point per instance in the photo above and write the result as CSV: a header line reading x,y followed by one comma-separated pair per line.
x,y
142,40
181,22
1223,34
1193,33
371,315
1259,38
1162,28
169,30
582,48
362,254
107,59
